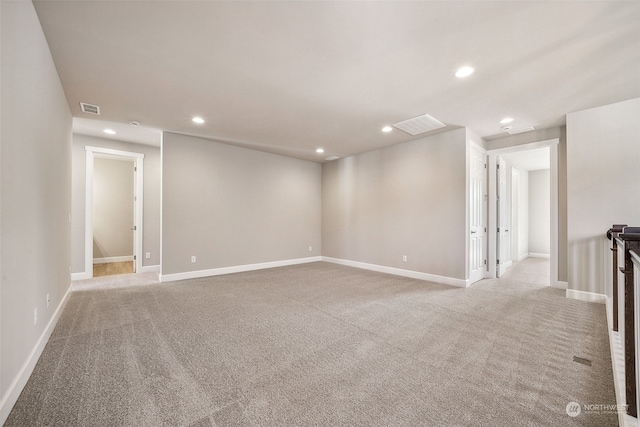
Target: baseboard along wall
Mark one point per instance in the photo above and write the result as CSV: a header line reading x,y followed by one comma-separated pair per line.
x,y
17,385
586,296
234,269
451,281
110,259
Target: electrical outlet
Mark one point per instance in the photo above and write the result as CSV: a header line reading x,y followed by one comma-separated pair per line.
x,y
404,258
48,300
147,255
310,248
193,258
35,315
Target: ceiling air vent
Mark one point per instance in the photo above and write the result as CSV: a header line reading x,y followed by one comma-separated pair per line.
x,y
88,108
521,130
420,124
332,158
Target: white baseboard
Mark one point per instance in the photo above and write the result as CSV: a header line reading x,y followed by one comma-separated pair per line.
x,y
17,385
80,276
235,269
560,285
150,269
537,255
522,257
109,259
401,272
586,296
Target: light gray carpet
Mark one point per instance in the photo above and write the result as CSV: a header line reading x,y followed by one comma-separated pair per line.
x,y
322,345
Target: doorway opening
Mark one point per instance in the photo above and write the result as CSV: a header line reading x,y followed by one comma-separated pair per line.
x,y
523,210
113,214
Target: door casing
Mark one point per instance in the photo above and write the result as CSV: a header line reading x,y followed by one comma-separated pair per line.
x,y
138,158
492,236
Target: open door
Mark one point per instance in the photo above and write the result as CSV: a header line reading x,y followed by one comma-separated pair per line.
x,y
477,216
503,220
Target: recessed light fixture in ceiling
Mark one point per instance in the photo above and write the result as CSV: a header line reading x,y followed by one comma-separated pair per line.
x,y
506,120
387,129
465,71
109,131
198,120
319,150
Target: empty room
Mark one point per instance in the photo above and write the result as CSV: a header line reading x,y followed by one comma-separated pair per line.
x,y
282,213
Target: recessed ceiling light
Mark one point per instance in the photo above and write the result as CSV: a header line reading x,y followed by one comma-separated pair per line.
x,y
464,71
319,150
109,131
506,120
198,120
387,129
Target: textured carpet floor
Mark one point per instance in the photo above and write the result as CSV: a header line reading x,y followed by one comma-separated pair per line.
x,y
322,345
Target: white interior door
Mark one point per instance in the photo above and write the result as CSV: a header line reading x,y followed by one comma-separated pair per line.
x,y
503,220
477,217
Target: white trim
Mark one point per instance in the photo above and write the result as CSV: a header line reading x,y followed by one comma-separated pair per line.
x,y
138,158
88,216
80,276
150,269
235,269
161,199
561,285
107,260
451,281
17,385
537,255
553,166
523,257
586,296
111,152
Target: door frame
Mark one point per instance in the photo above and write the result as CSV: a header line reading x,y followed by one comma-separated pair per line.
x,y
553,168
138,161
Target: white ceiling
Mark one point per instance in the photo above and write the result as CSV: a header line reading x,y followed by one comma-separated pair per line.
x,y
529,160
287,77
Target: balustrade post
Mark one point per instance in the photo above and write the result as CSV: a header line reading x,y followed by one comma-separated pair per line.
x,y
611,235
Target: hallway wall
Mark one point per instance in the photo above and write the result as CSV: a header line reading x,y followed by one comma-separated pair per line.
x,y
35,197
603,154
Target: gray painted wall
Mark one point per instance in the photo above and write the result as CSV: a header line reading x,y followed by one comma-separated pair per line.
x,y
603,154
408,199
35,188
112,207
151,197
232,206
539,211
